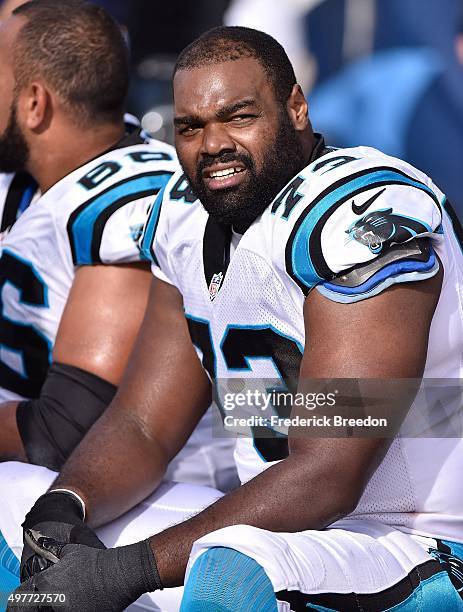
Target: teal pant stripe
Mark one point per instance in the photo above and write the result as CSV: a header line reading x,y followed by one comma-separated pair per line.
x,y
9,572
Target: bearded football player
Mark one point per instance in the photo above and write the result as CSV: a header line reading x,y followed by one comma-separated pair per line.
x,y
76,183
276,256
76,186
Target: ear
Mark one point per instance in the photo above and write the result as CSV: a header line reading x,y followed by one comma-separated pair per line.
x,y
36,104
298,109
459,48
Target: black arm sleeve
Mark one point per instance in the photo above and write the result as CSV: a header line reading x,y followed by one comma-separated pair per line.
x,y
70,402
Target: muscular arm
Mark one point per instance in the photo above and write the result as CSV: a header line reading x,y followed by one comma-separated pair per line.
x,y
11,446
322,479
97,331
319,482
162,396
101,319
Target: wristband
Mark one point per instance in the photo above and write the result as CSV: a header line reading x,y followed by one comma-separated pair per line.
x,y
75,496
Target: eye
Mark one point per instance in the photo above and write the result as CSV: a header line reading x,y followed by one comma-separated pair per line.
x,y
243,118
189,130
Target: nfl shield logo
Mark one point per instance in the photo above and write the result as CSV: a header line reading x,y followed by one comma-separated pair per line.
x,y
215,285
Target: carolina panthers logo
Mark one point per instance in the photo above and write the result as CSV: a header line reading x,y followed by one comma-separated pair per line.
x,y
136,231
382,226
452,564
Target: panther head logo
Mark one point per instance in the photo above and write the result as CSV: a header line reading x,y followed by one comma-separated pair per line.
x,y
381,227
451,563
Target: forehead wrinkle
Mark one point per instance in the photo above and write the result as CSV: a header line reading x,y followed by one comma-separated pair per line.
x,y
186,119
221,113
229,109
208,88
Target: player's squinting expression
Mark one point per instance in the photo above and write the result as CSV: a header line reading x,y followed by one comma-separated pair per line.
x,y
235,141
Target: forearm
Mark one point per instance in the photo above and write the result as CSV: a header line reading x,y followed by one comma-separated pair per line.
x,y
100,471
286,497
11,446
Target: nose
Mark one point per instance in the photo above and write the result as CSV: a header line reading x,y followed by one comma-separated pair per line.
x,y
216,140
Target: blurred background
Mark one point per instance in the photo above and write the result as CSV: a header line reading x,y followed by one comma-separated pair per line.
x,y
384,73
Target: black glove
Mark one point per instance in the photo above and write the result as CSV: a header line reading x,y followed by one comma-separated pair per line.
x,y
92,580
57,516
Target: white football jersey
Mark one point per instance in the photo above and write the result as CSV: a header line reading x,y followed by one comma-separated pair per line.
x,y
92,216
245,306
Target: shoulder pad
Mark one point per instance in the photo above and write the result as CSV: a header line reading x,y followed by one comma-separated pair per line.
x,y
415,250
341,224
401,263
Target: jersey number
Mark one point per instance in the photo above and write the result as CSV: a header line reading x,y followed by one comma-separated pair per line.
x,y
103,171
240,344
32,350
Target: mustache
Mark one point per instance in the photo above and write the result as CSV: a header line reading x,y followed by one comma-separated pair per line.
x,y
223,158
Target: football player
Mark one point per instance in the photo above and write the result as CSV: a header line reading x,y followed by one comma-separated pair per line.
x,y
297,260
73,284
65,258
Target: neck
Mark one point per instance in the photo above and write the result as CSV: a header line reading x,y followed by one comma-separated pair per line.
x,y
69,149
309,142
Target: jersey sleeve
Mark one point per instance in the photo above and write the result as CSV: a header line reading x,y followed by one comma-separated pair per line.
x,y
154,239
106,229
356,221
175,225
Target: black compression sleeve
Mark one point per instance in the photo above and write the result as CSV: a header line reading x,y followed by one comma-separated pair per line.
x,y
70,402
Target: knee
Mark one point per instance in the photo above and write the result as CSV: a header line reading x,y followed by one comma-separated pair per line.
x,y
225,580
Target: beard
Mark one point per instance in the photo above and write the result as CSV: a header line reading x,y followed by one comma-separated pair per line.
x,y
240,206
14,150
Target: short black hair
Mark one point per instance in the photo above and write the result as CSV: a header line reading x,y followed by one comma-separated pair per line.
x,y
80,51
226,44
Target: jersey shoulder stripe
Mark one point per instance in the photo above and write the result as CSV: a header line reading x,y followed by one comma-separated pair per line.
x,y
86,224
304,255
147,239
176,191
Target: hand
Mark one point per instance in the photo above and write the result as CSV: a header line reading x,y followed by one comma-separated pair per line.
x,y
59,517
91,579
